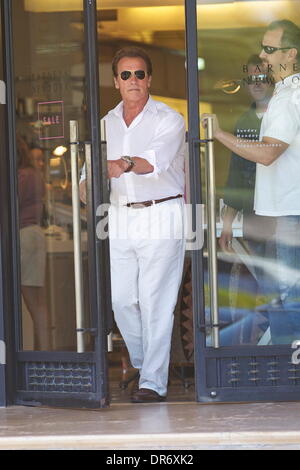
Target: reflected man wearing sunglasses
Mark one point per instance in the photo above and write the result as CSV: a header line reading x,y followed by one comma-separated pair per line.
x,y
145,148
277,188
239,188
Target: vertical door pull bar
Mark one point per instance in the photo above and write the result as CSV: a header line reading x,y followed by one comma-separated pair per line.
x,y
105,179
110,344
211,233
103,130
74,145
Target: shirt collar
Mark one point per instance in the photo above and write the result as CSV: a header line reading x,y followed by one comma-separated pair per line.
x,y
287,82
149,106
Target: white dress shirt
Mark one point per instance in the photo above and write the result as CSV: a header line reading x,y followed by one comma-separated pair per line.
x,y
157,134
277,188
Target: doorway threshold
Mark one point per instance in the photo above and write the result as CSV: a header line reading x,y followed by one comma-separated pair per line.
x,y
161,426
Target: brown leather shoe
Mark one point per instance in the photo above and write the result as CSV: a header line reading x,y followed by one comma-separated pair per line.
x,y
135,386
146,395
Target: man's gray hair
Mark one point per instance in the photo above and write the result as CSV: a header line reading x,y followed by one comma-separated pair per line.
x,y
290,36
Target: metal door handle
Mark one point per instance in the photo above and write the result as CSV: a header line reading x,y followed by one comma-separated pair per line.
x,y
105,179
74,147
211,232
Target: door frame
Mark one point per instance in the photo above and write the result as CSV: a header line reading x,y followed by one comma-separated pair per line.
x,y
7,204
265,373
90,368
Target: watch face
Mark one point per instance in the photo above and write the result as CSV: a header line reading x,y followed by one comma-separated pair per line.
x,y
129,161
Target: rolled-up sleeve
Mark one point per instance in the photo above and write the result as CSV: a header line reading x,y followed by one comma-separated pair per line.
x,y
167,143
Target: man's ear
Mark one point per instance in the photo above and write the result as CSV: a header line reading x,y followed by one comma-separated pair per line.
x,y
149,81
293,54
116,83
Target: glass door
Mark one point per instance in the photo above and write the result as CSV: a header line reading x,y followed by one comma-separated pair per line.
x,y
61,267
246,276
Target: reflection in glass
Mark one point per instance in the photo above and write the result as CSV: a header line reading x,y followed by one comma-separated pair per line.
x,y
31,188
258,261
50,91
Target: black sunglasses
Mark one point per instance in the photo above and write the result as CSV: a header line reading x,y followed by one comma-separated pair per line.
x,y
260,78
271,49
140,74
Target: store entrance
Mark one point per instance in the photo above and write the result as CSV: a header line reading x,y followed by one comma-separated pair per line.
x,y
159,28
59,82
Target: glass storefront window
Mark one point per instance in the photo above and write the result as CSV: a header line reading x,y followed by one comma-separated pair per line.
x,y
49,64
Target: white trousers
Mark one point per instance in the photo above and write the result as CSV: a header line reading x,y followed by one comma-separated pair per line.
x,y
147,249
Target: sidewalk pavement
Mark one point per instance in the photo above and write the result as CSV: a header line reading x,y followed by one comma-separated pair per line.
x,y
176,425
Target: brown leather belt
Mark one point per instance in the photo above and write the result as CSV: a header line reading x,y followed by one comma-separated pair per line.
x,y
140,205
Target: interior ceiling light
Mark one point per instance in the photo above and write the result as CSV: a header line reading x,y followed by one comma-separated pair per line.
x,y
59,151
201,63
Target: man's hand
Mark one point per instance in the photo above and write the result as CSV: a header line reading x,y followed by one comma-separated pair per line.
x,y
82,191
116,168
216,127
264,151
225,241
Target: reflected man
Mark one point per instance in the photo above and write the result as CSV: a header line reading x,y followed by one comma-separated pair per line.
x,y
239,189
277,189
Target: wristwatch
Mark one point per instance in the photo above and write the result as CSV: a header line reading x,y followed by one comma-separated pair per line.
x,y
130,162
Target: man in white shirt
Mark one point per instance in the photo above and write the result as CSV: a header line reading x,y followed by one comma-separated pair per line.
x,y
145,148
277,154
